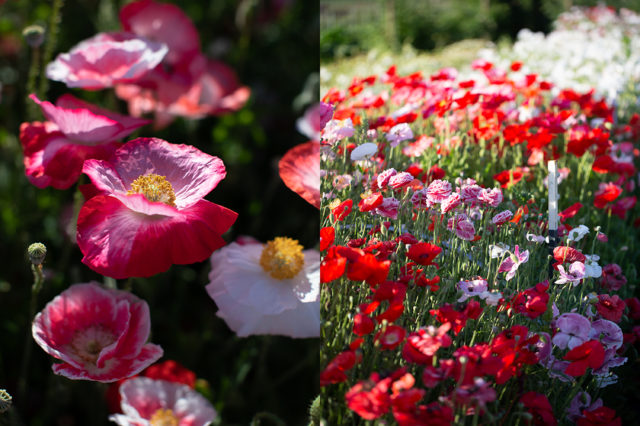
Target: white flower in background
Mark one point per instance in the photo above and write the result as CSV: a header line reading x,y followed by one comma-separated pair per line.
x,y
363,151
591,267
536,238
576,234
267,289
496,251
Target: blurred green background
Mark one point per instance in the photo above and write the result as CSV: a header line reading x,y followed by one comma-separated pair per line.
x,y
352,27
258,39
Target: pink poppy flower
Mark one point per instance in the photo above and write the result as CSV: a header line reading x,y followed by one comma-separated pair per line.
x,y
384,177
573,330
502,217
55,150
150,212
192,89
98,333
300,170
271,288
314,120
398,133
336,130
451,202
469,193
165,23
186,84
462,226
575,273
419,199
438,191
400,180
389,208
493,197
105,60
512,262
158,402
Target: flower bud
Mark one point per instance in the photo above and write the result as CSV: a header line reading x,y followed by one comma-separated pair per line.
x,y
33,35
37,253
5,400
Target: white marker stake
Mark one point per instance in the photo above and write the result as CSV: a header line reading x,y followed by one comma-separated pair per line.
x,y
553,196
553,212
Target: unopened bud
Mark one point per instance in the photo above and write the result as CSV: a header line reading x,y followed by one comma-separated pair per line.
x,y
37,253
315,411
33,35
5,400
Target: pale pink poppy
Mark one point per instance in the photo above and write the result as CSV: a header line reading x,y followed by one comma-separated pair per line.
x,y
492,197
99,334
438,191
105,60
186,84
502,217
165,23
150,212
463,227
192,89
55,150
400,180
398,133
336,130
383,177
271,288
419,199
389,208
315,118
450,203
145,401
300,171
573,330
575,273
469,193
511,263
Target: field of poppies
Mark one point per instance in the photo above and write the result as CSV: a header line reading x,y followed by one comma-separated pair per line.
x,y
479,249
149,150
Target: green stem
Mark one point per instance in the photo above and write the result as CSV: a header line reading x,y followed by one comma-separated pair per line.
x,y
50,44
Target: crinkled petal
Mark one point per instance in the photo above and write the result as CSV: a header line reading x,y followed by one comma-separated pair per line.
x,y
119,242
115,369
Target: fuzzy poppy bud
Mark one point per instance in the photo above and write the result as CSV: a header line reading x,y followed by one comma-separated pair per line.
x,y
5,400
37,253
33,35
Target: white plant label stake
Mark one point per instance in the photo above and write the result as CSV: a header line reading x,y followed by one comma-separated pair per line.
x,y
553,212
553,196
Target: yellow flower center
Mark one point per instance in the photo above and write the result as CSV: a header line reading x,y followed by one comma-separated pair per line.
x,y
154,188
282,258
164,417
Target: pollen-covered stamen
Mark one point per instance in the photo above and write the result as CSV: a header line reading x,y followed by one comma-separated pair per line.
x,y
154,188
282,258
164,417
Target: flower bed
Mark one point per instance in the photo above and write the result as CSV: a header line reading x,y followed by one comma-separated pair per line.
x,y
442,300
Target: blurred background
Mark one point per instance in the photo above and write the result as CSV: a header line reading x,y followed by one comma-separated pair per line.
x,y
270,44
358,37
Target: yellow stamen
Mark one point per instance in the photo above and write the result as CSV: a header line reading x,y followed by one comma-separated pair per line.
x,y
164,417
154,188
282,258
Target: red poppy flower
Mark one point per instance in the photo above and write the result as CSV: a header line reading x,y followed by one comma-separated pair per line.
x,y
589,354
565,254
363,324
370,398
601,416
371,202
533,301
391,337
368,268
151,212
334,372
300,171
570,211
607,193
539,407
332,266
423,253
327,237
610,307
342,210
